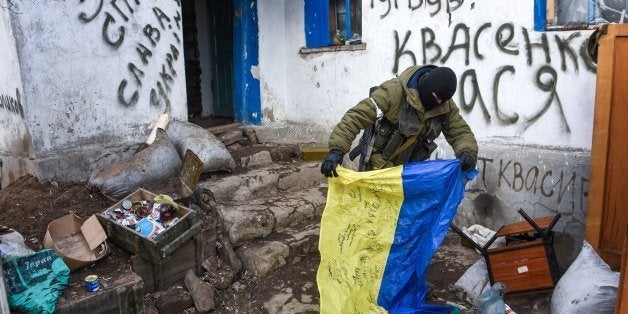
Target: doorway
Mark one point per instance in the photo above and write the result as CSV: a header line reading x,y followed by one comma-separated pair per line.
x,y
208,51
221,44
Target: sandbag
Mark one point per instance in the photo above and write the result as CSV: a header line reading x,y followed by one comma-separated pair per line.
x,y
209,149
159,161
588,286
35,282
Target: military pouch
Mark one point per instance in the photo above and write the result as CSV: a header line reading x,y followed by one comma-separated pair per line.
x,y
423,152
384,131
395,141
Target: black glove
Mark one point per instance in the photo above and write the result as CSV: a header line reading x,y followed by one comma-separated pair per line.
x,y
333,158
467,162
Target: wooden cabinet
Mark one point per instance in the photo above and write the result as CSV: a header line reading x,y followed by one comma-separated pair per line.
x,y
607,211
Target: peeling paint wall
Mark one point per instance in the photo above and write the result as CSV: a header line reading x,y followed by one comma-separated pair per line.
x,y
528,96
98,71
15,139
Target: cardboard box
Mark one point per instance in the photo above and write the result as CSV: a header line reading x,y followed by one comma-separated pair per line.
x,y
78,242
163,244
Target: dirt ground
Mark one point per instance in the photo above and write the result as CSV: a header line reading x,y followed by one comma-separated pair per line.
x,y
28,207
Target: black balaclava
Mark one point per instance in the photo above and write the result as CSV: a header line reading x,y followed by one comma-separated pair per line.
x,y
442,81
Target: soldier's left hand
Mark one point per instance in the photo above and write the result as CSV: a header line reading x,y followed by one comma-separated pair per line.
x,y
467,161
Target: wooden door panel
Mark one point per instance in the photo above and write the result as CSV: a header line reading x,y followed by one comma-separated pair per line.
x,y
222,57
607,211
615,199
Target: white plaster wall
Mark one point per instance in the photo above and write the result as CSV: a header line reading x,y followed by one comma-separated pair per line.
x,y
80,88
14,136
277,26
319,88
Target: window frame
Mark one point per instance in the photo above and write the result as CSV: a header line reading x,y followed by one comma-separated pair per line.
x,y
321,22
545,16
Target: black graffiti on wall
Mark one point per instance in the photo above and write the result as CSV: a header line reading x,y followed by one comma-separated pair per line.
x,y
433,6
565,187
466,45
12,105
117,17
461,45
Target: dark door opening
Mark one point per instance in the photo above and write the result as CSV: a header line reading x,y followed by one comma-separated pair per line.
x,y
208,51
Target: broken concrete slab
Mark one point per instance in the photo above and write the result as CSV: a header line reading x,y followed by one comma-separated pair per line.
x,y
231,137
261,258
288,301
291,133
246,222
201,291
258,159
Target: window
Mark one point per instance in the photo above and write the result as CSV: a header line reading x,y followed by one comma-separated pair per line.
x,y
578,14
332,19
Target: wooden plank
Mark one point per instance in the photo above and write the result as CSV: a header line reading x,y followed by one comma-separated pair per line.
x,y
599,146
616,193
621,304
607,214
518,247
524,227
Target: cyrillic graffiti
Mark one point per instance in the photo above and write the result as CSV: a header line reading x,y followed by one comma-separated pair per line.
x,y
118,15
503,39
463,41
12,105
561,186
435,6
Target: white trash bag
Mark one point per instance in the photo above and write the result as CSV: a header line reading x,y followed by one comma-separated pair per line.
x,y
588,286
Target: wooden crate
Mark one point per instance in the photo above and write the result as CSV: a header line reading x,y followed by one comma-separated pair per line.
x,y
172,269
162,245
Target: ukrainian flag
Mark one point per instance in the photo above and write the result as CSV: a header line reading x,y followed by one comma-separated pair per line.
x,y
379,231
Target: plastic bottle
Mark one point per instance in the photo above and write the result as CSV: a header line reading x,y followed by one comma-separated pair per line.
x,y
338,39
491,301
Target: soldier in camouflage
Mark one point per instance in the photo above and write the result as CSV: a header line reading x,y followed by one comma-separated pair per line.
x,y
401,119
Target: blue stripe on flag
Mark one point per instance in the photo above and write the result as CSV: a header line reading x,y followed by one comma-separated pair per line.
x,y
432,192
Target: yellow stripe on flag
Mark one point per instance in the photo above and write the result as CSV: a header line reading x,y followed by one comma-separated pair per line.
x,y
357,231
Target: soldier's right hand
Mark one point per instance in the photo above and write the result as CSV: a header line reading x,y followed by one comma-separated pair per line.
x,y
333,158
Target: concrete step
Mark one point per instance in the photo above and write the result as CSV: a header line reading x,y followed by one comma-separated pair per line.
x,y
271,214
240,188
263,257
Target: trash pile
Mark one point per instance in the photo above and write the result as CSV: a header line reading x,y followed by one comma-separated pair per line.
x,y
148,217
587,286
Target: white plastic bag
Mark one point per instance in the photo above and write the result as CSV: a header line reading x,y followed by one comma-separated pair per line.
x,y
12,244
588,286
481,235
